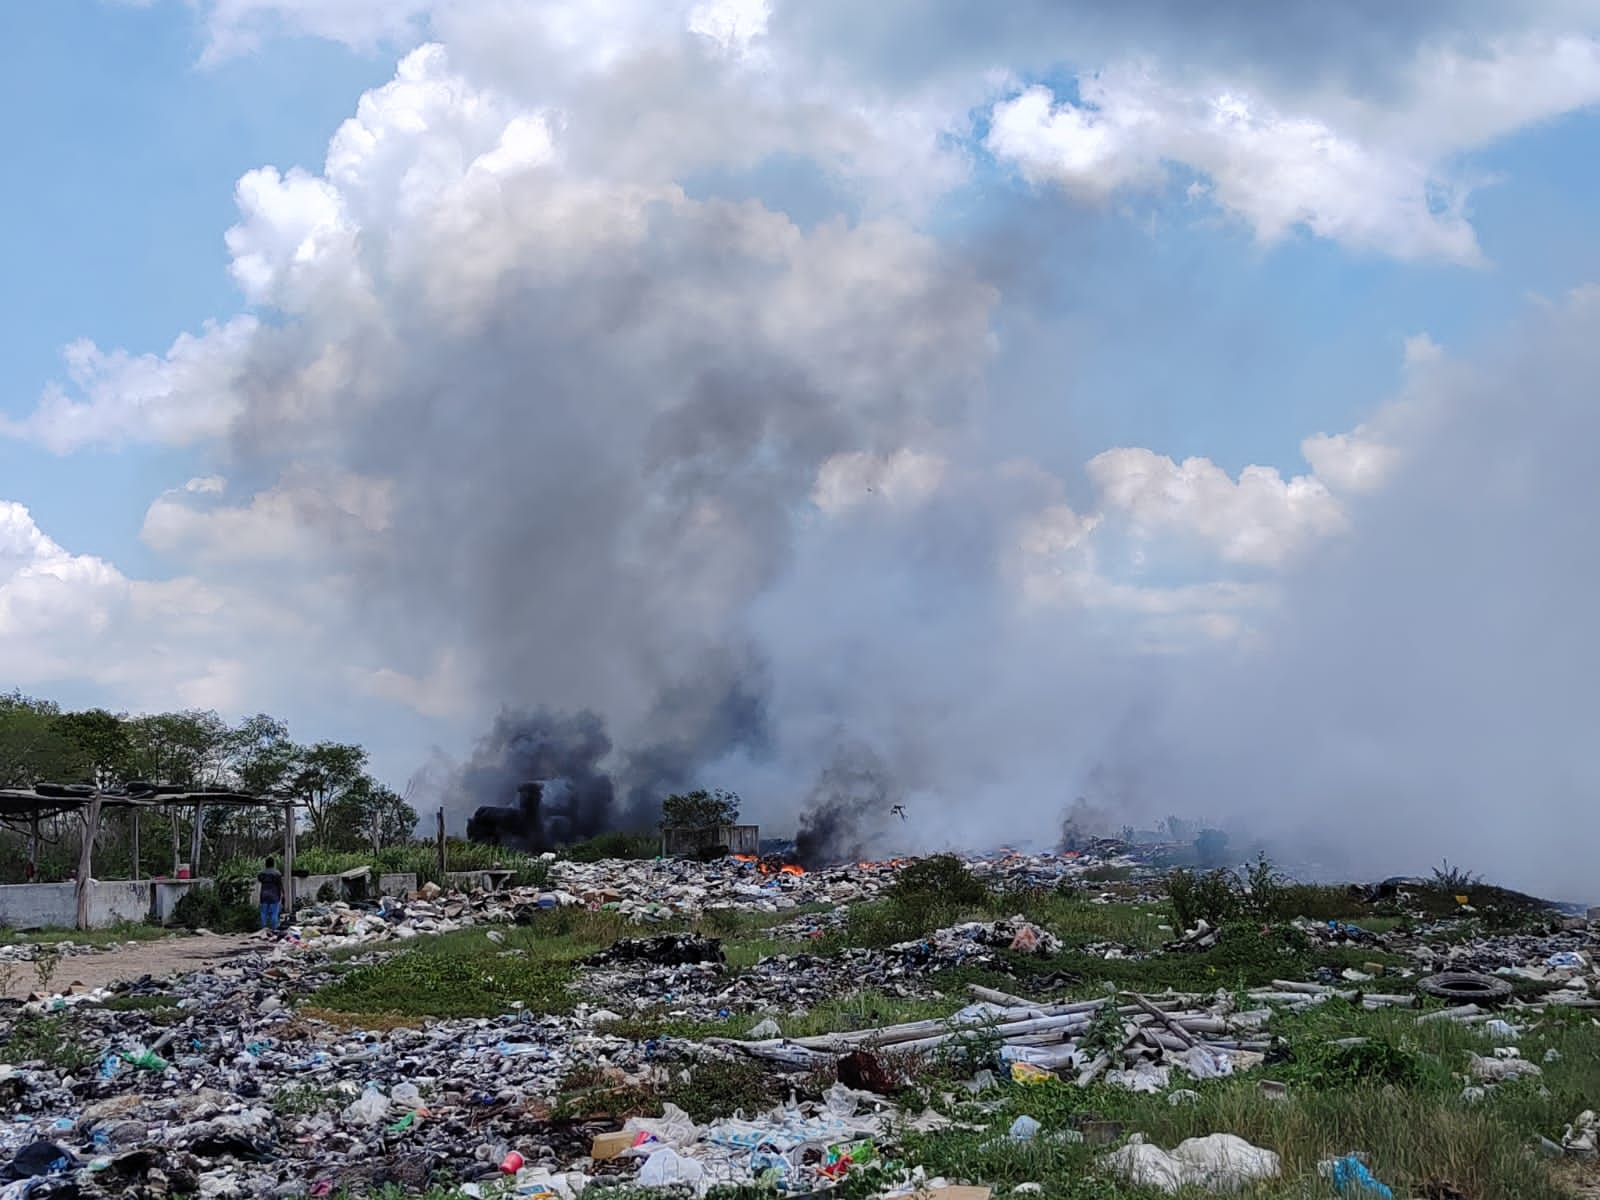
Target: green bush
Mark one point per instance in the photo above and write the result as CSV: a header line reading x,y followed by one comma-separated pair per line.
x,y
616,845
210,907
1211,896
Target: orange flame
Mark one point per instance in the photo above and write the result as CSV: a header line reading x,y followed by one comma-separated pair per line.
x,y
792,869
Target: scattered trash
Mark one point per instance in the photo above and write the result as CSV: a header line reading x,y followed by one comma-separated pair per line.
x,y
1350,1177
1582,1138
1501,1069
1220,1162
1024,1129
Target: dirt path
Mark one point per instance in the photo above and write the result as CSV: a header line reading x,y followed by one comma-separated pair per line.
x,y
168,956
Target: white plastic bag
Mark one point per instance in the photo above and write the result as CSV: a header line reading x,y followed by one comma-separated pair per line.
x,y
667,1168
371,1107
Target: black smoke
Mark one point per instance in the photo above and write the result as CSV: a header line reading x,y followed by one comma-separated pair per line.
x,y
537,781
847,810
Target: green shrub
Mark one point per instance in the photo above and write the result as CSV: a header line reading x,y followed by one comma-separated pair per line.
x,y
210,907
1212,896
615,845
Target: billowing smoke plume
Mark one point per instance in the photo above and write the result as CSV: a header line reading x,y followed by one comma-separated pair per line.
x,y
848,810
591,419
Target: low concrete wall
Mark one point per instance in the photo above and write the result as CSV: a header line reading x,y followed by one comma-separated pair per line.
x,y
165,894
55,905
118,900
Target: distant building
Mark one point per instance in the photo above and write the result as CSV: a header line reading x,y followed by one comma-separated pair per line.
x,y
729,839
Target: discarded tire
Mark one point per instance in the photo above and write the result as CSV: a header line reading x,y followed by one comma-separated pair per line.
x,y
1465,987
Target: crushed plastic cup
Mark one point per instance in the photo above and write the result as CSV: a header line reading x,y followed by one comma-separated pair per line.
x,y
512,1163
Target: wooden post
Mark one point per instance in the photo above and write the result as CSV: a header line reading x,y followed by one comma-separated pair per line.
x,y
441,847
196,833
177,845
288,859
91,829
134,813
33,845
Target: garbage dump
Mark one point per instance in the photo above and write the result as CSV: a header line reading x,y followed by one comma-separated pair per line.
x,y
230,1082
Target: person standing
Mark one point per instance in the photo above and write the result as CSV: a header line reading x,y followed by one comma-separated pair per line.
x,y
271,880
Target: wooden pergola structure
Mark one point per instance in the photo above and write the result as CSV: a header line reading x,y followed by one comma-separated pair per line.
x,y
49,800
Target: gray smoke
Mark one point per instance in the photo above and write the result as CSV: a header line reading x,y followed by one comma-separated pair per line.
x,y
602,410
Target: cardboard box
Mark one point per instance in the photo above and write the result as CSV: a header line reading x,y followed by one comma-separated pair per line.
x,y
608,1145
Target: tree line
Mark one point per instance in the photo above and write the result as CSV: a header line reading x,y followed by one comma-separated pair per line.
x,y
344,806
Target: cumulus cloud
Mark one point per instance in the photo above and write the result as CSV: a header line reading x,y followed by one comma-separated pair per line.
x,y
1260,518
66,616
179,398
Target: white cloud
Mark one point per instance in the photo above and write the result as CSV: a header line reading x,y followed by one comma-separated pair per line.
x,y
1350,462
294,235
238,27
1275,171
732,24
114,398
1260,519
443,692
1372,177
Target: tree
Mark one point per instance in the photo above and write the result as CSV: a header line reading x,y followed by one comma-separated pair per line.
x,y
104,740
34,747
699,810
369,814
181,749
321,775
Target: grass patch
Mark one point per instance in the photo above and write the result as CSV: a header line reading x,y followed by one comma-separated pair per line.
x,y
1397,1099
122,931
1245,956
55,1040
462,974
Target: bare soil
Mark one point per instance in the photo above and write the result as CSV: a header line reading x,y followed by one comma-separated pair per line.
x,y
167,956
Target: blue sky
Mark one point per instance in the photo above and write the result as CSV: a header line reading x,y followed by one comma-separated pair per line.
x,y
1076,253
